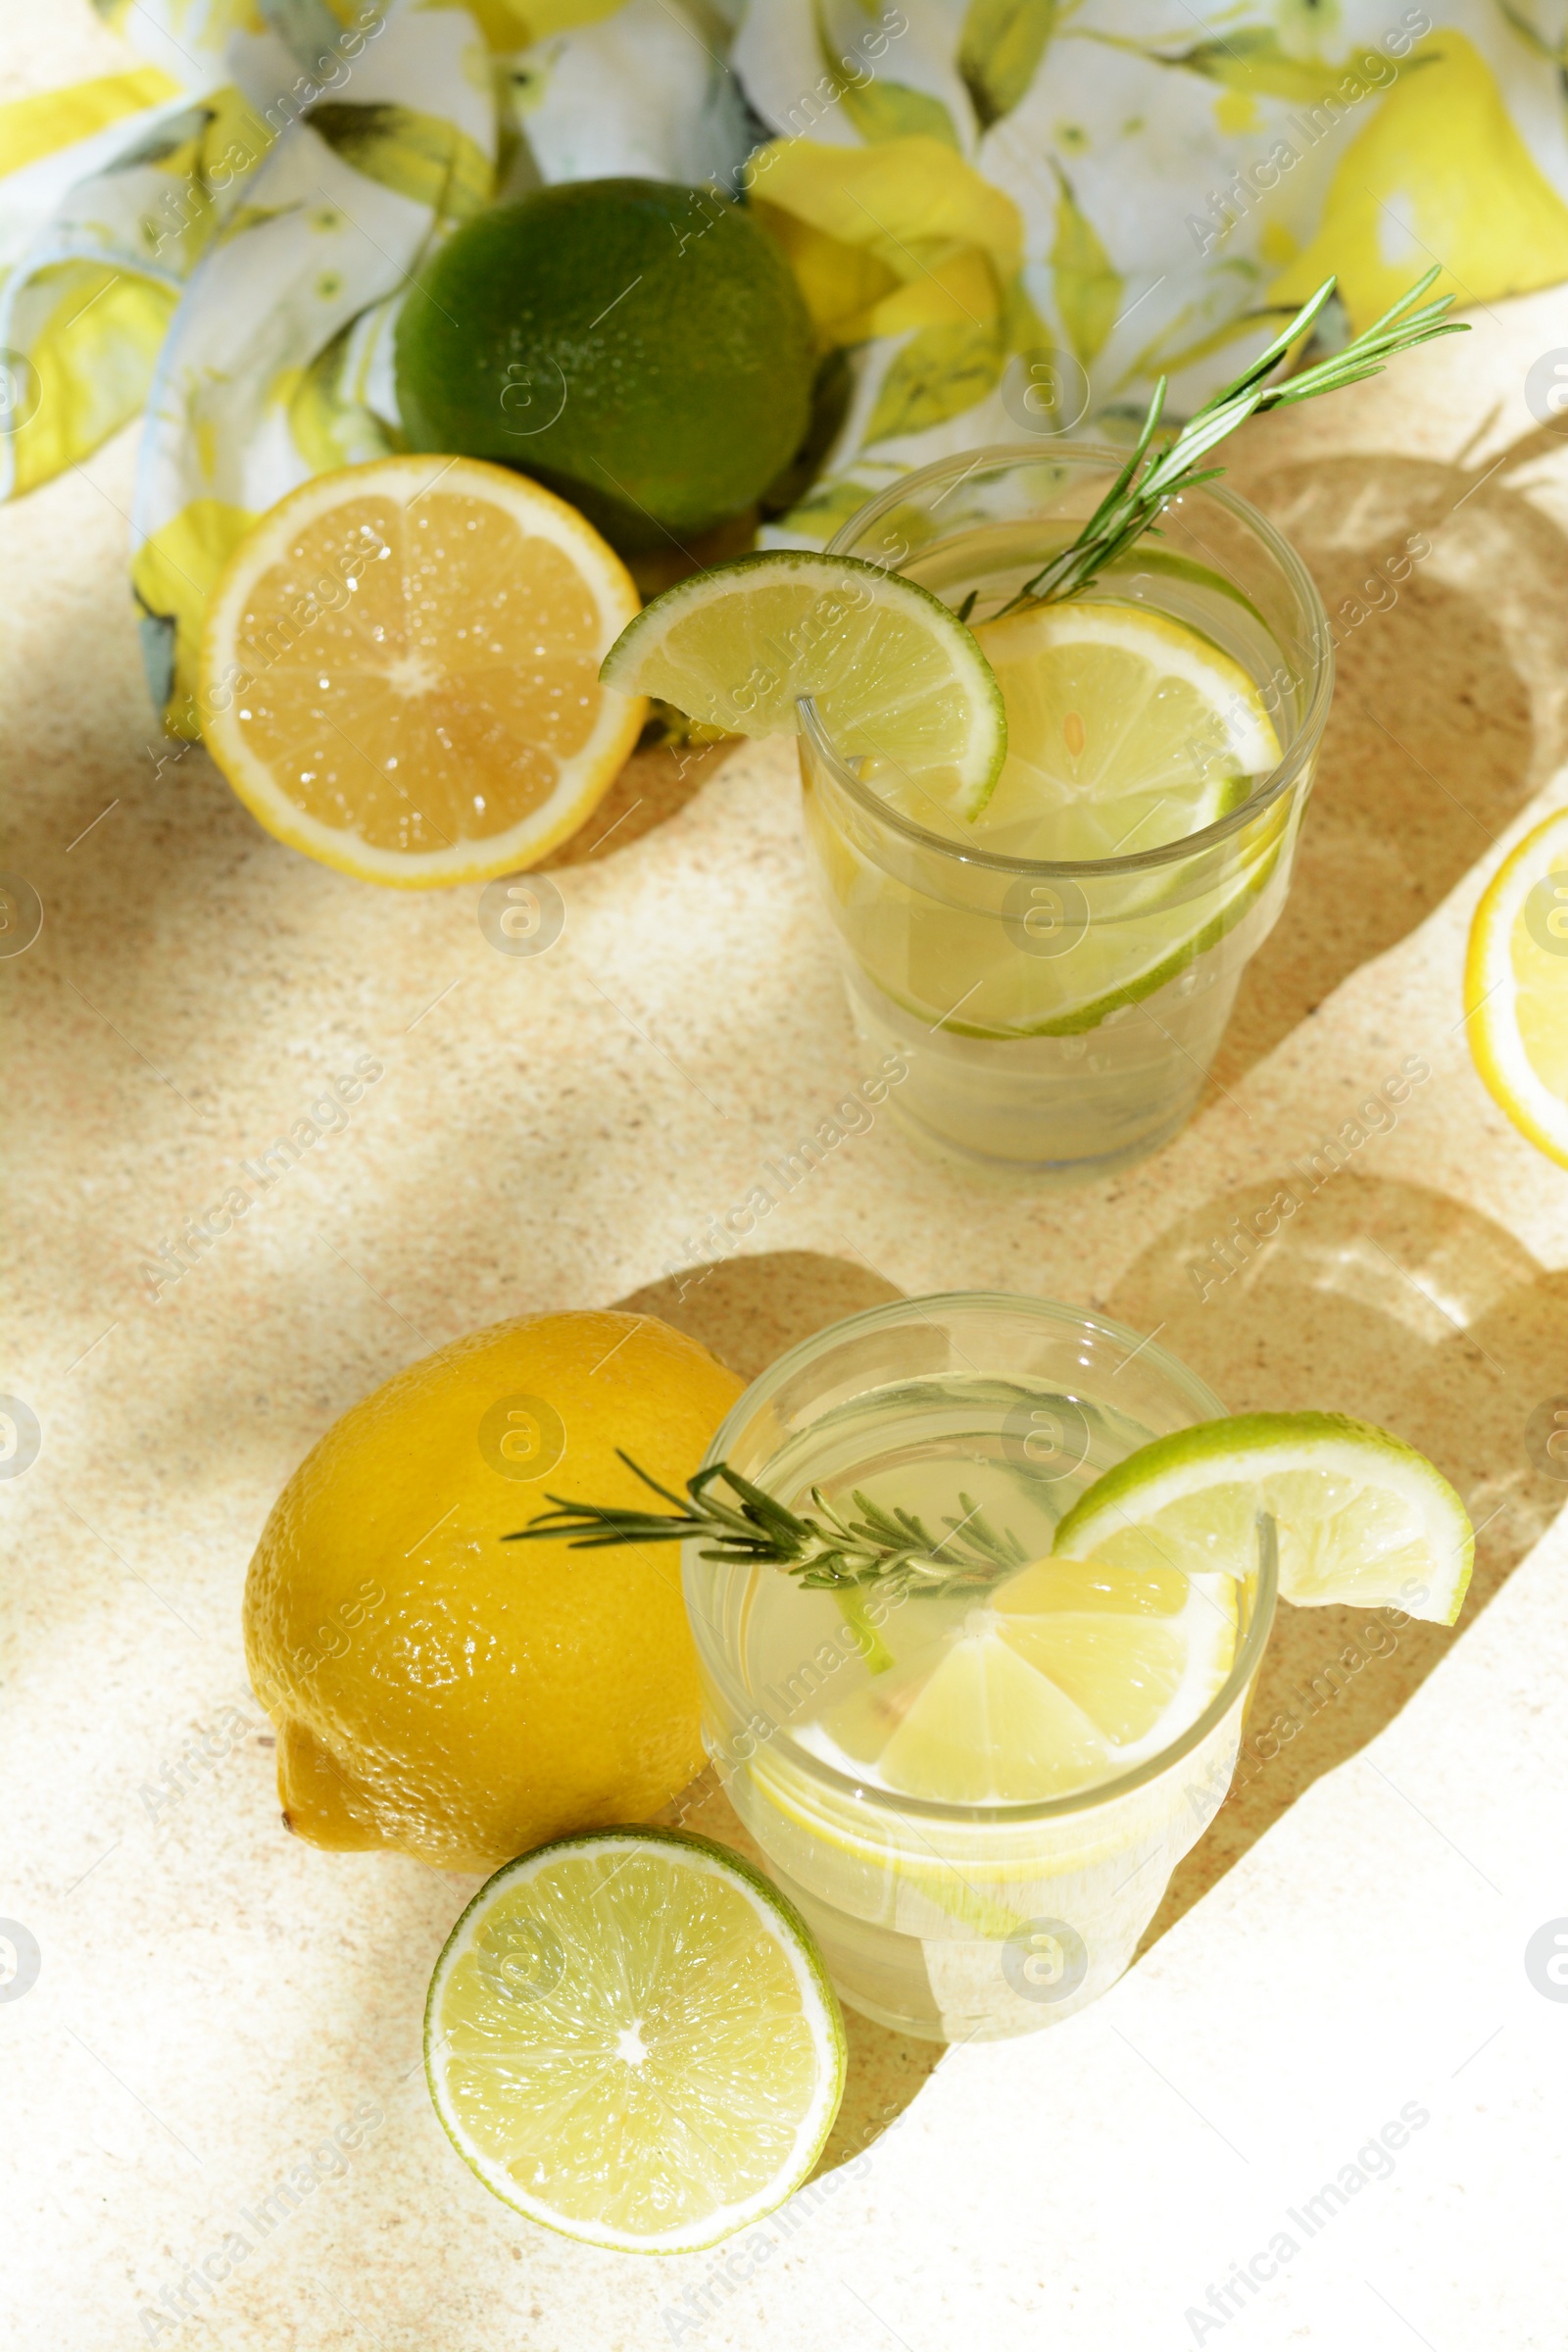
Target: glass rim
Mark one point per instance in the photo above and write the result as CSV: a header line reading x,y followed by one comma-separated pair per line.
x,y
1279,779
1243,1667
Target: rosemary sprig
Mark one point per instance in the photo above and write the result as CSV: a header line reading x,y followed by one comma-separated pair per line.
x,y
830,1551
1153,477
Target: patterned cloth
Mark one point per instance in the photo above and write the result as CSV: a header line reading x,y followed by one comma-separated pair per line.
x,y
1008,217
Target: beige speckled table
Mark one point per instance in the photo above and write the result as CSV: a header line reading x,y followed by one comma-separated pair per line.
x,y
1345,1949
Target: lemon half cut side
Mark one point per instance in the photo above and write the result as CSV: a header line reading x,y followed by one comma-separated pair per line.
x,y
1516,987
400,671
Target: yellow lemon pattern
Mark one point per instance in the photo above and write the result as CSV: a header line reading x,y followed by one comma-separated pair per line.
x,y
1439,173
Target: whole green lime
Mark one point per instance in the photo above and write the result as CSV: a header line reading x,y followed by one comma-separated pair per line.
x,y
641,348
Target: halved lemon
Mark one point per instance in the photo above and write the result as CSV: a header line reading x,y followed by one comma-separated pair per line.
x,y
897,680
1516,987
1073,1672
400,671
1125,730
630,2037
1361,1516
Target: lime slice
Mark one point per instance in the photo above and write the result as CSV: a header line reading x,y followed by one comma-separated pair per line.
x,y
630,2038
898,681
1125,730
1362,1518
1516,987
1072,1673
960,968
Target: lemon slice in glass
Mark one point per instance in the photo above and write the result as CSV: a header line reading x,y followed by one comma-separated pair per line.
x,y
630,2038
1516,987
1125,730
1072,1673
400,671
897,679
1362,1517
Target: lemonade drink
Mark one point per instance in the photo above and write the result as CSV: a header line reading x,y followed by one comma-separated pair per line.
x,y
976,1796
1059,966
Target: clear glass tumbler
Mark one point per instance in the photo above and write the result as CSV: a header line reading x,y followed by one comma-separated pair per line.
x,y
1064,1016
953,1921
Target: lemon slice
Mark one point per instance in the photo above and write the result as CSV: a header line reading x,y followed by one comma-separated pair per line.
x,y
897,679
1073,1673
1362,1517
1516,987
400,671
1125,730
630,2038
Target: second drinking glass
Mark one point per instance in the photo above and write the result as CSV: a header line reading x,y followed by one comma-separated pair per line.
x,y
975,1793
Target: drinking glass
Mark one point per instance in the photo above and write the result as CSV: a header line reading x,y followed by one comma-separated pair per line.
x,y
1064,1016
951,1920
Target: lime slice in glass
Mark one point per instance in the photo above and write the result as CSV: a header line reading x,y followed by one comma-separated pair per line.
x,y
630,2038
897,679
1362,1518
1071,1673
1125,730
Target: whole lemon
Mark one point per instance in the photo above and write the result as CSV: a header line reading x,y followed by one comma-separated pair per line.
x,y
443,1693
639,348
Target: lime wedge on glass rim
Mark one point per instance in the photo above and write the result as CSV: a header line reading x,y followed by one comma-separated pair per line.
x,y
1362,1518
895,676
630,2038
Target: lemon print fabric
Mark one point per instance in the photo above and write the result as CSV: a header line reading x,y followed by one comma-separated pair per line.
x,y
438,1690
1005,218
1406,190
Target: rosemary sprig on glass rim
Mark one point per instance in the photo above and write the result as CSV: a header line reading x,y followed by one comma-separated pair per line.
x,y
1150,479
830,1551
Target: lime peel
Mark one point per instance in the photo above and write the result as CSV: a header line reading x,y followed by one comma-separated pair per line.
x,y
1363,1517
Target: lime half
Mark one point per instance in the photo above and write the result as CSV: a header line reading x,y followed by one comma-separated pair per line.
x,y
1362,1518
630,2038
897,679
